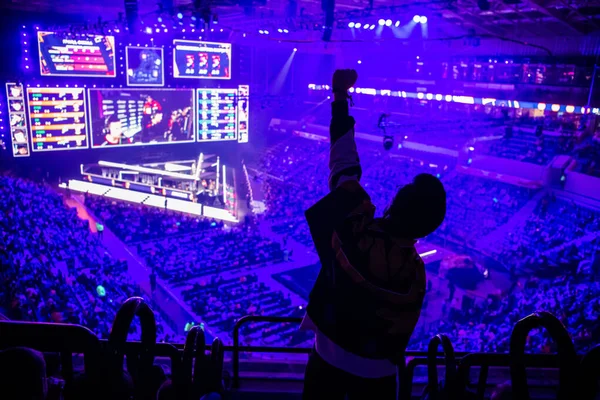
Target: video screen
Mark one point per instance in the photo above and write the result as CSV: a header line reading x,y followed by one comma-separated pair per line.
x,y
16,116
145,66
205,60
69,55
57,117
129,117
243,108
217,114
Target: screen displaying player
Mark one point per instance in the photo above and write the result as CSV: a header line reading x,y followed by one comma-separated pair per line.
x,y
145,66
127,117
16,115
208,60
76,55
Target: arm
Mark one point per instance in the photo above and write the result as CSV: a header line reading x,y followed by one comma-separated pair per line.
x,y
344,164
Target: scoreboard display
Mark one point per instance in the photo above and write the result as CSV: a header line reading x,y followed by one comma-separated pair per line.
x,y
204,60
217,114
57,118
70,55
65,107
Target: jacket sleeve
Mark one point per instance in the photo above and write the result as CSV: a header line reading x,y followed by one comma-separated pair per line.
x,y
344,163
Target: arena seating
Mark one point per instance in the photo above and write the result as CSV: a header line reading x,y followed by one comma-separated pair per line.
x,y
136,223
53,267
180,259
221,302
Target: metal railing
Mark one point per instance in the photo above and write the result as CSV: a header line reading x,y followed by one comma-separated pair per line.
x,y
259,349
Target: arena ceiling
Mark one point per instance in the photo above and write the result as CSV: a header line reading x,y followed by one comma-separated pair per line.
x,y
508,18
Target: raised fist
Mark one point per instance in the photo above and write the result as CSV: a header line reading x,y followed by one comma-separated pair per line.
x,y
343,79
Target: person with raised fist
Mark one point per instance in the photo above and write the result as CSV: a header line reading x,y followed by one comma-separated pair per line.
x,y
367,298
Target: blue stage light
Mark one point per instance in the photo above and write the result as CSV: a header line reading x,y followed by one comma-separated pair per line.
x,y
286,31
149,30
280,30
350,24
397,24
266,32
366,26
261,31
388,22
417,19
180,15
381,22
372,27
357,25
423,20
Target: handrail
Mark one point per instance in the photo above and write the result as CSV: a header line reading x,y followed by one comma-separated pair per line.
x,y
236,348
236,341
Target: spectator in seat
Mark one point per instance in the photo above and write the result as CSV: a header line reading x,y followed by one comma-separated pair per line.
x,y
367,299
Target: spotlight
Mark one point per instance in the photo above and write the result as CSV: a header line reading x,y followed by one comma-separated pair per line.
x,y
280,30
266,32
180,15
381,22
417,19
286,31
366,26
350,24
388,22
357,25
295,49
359,61
423,20
261,31
159,19
148,30
372,27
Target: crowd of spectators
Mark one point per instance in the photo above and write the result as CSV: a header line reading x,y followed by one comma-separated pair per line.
x,y
136,223
476,206
486,327
552,237
221,302
53,268
180,259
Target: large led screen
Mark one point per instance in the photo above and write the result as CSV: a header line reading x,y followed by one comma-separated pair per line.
x,y
65,54
145,66
205,60
17,118
127,117
57,117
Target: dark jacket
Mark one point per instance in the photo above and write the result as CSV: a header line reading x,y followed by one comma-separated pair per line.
x,y
368,295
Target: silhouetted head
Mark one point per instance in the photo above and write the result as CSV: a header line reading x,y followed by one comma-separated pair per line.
x,y
418,208
22,374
